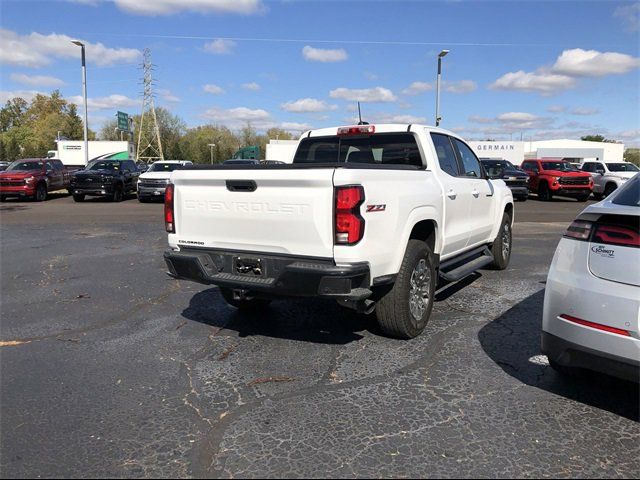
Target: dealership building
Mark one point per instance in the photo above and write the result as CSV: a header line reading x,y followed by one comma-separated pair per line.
x,y
572,150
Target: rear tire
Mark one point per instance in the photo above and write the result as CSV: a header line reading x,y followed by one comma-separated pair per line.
x,y
243,303
78,197
3,198
501,247
403,312
544,193
143,199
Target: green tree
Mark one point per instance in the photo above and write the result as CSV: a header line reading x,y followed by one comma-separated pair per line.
x,y
74,126
194,145
632,155
12,114
597,138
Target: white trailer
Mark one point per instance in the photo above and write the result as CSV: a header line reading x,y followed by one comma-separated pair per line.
x,y
71,152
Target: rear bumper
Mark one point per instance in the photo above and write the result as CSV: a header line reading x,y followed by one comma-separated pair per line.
x,y
519,191
571,354
282,275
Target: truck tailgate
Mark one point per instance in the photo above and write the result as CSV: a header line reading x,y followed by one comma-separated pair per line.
x,y
254,210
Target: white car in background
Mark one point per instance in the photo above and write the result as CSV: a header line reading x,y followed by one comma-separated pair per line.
x,y
608,176
153,182
591,310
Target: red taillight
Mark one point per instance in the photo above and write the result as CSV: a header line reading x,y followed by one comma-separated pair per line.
x,y
349,225
357,130
597,326
616,235
579,230
169,223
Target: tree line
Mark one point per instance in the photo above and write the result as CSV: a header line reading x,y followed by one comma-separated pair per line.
x,y
29,130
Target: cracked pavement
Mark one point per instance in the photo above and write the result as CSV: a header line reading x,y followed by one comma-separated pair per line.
x,y
110,368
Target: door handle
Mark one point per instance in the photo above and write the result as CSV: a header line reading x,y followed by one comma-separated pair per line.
x,y
475,193
451,194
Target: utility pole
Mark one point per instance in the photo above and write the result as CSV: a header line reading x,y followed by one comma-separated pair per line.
x,y
149,143
84,96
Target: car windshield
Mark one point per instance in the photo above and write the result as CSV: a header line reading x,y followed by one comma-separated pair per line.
x,y
496,164
164,167
622,167
106,166
561,166
18,165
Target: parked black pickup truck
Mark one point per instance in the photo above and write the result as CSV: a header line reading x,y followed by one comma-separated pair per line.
x,y
105,178
516,179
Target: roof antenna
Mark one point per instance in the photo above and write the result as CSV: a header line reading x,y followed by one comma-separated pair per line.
x,y
360,122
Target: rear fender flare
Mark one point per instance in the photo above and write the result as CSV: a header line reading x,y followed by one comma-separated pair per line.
x,y
417,215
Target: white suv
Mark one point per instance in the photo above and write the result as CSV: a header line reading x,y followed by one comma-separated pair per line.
x,y
153,182
607,176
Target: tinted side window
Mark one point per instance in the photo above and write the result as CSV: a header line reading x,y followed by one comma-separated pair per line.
x,y
470,162
446,155
57,164
49,167
587,167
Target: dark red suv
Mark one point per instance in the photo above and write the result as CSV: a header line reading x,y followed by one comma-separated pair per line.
x,y
33,178
557,177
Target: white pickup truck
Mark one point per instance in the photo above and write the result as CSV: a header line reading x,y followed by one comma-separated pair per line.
x,y
370,215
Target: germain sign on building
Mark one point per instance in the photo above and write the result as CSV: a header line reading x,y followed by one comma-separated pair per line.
x,y
511,151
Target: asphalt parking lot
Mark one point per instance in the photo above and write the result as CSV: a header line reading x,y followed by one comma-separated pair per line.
x,y
110,368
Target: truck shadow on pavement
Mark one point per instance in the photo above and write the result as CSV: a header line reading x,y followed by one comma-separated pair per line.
x,y
308,320
513,342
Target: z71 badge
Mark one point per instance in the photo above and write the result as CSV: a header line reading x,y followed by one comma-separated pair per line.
x,y
376,208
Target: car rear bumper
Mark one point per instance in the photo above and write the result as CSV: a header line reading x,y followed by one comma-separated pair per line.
x,y
571,354
519,191
280,275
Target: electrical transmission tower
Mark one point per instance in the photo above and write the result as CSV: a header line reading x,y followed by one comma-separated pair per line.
x,y
149,144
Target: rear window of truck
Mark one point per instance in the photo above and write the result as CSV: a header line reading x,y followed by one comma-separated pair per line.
x,y
377,149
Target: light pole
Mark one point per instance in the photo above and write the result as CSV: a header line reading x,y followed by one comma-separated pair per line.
x,y
211,145
440,55
84,96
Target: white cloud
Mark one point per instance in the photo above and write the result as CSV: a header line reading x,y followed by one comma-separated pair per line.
x,y
542,83
393,118
239,114
214,89
170,7
460,86
630,15
556,108
307,105
253,86
167,96
417,87
37,50
295,127
36,80
377,94
584,111
509,122
591,63
111,102
220,46
371,76
28,95
324,55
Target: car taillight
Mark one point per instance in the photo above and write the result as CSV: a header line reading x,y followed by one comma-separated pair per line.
x,y
349,225
357,130
579,230
169,223
616,235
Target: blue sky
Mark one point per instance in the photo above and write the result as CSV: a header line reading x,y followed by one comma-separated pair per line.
x,y
537,69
